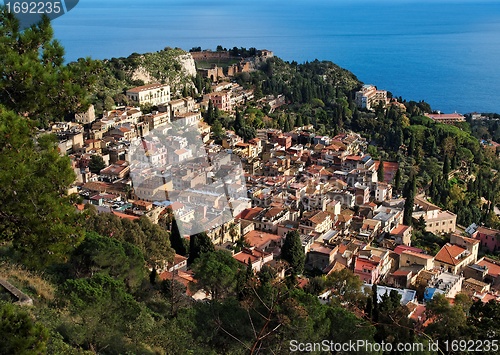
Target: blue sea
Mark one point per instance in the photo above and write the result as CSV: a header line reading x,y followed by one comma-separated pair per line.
x,y
444,52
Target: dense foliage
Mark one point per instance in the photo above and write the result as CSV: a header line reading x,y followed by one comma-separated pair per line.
x,y
34,80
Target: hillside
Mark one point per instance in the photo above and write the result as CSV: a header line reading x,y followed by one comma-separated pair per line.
x,y
173,66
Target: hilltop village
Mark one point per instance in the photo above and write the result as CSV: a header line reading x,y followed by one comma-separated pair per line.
x,y
328,188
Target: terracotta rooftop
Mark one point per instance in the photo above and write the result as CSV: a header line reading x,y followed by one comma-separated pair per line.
x,y
419,255
449,254
254,255
183,277
260,239
273,212
492,265
125,216
488,231
425,205
400,248
319,217
400,229
250,213
321,249
139,89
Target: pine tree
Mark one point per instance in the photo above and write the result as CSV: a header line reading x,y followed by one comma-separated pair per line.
x,y
238,122
35,214
286,126
411,148
198,244
298,121
35,82
375,306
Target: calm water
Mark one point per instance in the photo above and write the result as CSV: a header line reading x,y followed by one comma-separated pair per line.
x,y
446,52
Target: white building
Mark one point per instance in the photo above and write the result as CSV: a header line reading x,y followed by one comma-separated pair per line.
x,y
153,94
369,96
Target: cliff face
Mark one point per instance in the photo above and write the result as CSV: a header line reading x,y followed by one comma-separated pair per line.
x,y
171,66
187,62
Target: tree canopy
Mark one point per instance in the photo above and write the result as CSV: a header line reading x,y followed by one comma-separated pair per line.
x,y
35,215
20,334
35,82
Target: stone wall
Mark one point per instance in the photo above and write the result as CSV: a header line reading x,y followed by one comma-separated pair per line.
x,y
22,298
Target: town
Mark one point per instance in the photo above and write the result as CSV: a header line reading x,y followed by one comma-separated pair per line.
x,y
329,189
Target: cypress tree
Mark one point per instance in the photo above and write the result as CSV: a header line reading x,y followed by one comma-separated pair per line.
x,y
209,113
409,202
177,241
446,166
293,252
397,179
380,171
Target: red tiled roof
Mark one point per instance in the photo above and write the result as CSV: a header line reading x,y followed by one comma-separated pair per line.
x,y
259,239
445,116
250,213
400,248
125,216
400,229
419,313
419,255
146,87
362,263
183,277
492,265
448,254
179,259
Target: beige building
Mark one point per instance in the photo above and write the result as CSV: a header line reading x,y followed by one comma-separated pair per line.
x,y
188,118
153,94
86,117
153,189
453,259
436,220
186,104
409,258
369,97
157,119
472,245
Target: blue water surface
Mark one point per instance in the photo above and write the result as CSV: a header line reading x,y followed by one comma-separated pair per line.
x,y
444,52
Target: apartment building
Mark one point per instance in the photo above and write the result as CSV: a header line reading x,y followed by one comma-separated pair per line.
x,y
153,94
369,97
436,220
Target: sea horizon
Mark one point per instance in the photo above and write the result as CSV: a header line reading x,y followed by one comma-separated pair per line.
x,y
444,53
